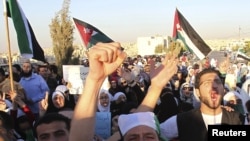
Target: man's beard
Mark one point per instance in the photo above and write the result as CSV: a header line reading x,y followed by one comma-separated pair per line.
x,y
26,74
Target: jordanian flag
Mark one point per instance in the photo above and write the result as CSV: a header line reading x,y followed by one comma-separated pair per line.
x,y
191,39
242,55
28,45
90,35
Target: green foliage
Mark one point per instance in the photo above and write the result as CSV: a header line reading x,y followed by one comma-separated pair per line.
x,y
159,49
175,44
247,48
235,48
61,32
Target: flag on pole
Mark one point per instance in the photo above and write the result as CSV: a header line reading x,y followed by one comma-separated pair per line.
x,y
28,45
242,55
90,35
185,32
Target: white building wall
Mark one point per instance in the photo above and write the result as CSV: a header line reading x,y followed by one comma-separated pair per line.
x,y
146,45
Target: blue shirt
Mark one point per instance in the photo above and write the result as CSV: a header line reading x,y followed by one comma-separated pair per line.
x,y
35,88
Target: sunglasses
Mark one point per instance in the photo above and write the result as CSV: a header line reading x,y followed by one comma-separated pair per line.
x,y
125,82
188,88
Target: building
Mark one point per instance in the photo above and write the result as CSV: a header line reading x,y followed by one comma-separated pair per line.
x,y
147,45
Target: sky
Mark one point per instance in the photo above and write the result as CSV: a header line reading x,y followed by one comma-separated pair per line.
x,y
124,21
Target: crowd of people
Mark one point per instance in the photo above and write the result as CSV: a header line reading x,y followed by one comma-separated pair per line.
x,y
155,98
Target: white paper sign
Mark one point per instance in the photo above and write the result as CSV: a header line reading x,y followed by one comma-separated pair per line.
x,y
75,75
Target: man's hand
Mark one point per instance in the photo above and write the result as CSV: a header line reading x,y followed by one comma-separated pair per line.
x,y
223,66
163,73
43,104
2,102
104,59
126,74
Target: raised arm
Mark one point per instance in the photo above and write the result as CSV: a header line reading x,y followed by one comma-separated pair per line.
x,y
159,78
104,58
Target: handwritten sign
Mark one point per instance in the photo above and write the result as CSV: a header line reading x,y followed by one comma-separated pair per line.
x,y
103,124
75,75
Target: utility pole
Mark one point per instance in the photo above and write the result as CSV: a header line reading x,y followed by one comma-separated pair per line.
x,y
239,32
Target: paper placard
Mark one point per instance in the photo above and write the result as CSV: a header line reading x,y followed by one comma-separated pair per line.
x,y
75,75
103,124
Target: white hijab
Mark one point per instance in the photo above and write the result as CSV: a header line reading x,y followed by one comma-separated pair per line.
x,y
245,93
99,106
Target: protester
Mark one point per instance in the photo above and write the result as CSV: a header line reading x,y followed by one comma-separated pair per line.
x,y
167,99
119,100
234,100
59,100
138,126
245,93
247,105
19,112
35,87
7,126
45,73
186,93
5,86
104,101
54,74
210,90
52,126
105,58
114,88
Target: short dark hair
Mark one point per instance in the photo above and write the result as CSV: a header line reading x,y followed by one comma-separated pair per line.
x,y
200,74
18,67
41,66
7,120
51,117
2,72
53,68
247,105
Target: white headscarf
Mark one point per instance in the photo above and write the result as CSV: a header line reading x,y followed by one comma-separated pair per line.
x,y
118,94
99,106
57,93
245,93
183,97
229,94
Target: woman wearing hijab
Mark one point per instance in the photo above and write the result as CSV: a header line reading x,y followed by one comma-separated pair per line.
x,y
118,102
186,93
104,101
60,100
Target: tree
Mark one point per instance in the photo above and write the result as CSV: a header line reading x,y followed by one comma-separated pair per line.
x,y
176,45
159,49
61,32
235,48
247,48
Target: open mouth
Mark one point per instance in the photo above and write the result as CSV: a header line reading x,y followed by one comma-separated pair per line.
x,y
105,104
214,95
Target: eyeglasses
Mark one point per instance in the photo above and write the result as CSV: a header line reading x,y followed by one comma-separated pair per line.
x,y
210,82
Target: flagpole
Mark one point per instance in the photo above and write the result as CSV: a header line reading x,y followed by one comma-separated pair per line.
x,y
8,44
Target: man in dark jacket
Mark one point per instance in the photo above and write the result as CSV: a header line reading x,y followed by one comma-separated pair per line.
x,y
193,125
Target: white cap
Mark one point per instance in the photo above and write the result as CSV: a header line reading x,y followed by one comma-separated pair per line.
x,y
127,122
